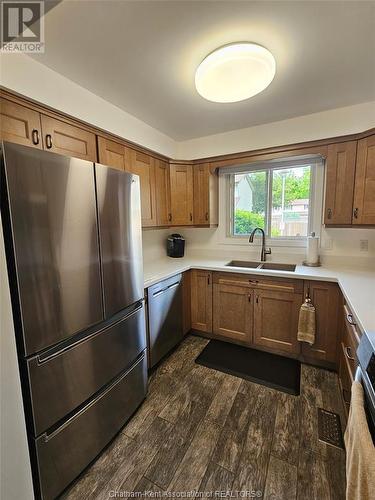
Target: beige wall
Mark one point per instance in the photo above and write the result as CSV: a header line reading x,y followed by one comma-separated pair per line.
x,y
15,472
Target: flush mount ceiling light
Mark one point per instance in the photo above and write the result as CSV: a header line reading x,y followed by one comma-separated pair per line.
x,y
235,72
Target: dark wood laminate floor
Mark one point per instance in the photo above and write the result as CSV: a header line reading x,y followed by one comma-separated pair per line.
x,y
203,430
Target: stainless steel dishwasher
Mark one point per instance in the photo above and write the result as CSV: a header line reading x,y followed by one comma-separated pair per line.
x,y
164,317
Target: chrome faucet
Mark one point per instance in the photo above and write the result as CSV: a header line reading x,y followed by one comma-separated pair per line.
x,y
265,251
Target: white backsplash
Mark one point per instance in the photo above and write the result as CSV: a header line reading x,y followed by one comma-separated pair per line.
x,y
345,243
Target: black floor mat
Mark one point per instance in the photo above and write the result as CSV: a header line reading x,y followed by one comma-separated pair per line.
x,y
260,367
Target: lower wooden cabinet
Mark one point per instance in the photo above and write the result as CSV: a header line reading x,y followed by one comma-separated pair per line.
x,y
276,320
325,297
233,312
345,377
201,300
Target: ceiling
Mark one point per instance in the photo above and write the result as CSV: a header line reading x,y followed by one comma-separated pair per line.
x,y
142,56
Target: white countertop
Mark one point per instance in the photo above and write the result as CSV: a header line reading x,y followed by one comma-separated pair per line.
x,y
357,283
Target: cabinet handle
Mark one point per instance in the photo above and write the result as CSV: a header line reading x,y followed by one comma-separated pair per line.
x,y
208,279
170,217
207,216
48,141
257,299
348,353
329,213
191,216
355,213
350,320
35,136
249,297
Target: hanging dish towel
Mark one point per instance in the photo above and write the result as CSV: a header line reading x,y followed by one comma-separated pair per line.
x,y
306,322
360,450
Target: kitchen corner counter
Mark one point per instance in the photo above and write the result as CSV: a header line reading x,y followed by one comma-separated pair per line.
x,y
357,283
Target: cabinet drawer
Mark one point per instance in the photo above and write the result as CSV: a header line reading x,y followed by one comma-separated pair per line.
x,y
345,376
259,282
350,341
67,450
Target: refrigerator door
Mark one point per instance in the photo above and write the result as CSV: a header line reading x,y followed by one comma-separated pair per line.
x,y
119,208
52,215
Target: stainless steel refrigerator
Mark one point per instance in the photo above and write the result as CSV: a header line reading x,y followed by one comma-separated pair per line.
x,y
72,231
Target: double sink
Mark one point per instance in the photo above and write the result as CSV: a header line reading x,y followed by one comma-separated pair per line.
x,y
273,266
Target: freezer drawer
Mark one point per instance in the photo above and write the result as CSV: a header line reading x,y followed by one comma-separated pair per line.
x,y
61,381
53,223
64,453
165,317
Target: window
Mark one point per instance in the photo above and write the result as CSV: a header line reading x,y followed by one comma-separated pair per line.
x,y
277,199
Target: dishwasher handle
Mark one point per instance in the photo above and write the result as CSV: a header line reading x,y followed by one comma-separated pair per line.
x,y
169,287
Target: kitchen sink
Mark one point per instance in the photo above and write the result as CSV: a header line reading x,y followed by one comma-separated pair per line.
x,y
243,263
277,267
272,266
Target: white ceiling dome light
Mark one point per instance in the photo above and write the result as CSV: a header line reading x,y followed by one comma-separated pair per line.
x,y
235,72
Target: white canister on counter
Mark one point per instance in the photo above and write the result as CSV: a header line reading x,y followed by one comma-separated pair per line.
x,y
312,250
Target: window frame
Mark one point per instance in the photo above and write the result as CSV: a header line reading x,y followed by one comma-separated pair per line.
x,y
226,205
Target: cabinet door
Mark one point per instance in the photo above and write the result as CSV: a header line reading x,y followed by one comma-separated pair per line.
x,y
68,140
340,172
19,124
364,191
181,178
113,154
233,312
325,297
201,194
163,209
276,320
201,300
144,166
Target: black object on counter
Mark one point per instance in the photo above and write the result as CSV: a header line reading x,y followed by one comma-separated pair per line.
x,y
175,245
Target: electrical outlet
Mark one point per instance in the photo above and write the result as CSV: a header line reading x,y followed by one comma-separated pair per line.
x,y
328,244
363,245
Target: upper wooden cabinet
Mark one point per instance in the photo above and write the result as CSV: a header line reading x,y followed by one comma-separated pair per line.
x,y
276,320
340,173
65,139
19,124
181,183
325,297
364,191
205,195
144,166
163,195
113,154
201,300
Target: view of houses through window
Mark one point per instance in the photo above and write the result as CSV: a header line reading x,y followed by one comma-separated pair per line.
x,y
277,200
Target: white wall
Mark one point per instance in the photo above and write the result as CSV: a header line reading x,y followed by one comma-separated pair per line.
x,y
331,123
32,79
15,471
